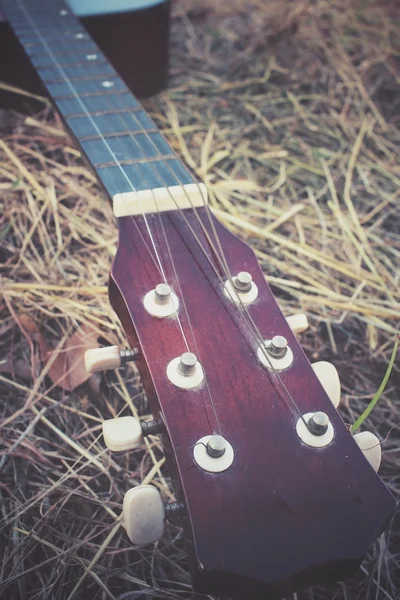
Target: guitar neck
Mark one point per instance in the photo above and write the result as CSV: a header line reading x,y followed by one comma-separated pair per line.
x,y
120,141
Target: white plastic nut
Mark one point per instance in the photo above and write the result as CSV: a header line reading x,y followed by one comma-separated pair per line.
x,y
102,359
329,379
297,323
124,433
143,515
370,446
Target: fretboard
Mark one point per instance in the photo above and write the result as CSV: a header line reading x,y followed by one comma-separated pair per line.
x,y
119,139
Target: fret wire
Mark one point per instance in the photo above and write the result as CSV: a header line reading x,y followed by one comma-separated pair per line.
x,y
100,93
85,63
110,111
71,25
47,14
97,104
90,66
86,48
148,174
106,76
50,10
40,55
70,37
125,133
52,23
137,161
55,35
81,43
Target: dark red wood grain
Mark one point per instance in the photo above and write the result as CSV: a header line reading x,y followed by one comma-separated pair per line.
x,y
284,515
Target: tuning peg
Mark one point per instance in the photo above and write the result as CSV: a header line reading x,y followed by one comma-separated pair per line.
x,y
297,323
109,357
329,378
144,514
126,433
370,446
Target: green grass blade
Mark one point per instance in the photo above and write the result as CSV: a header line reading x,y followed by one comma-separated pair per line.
x,y
380,391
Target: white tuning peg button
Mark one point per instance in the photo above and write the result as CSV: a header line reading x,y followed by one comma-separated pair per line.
x,y
297,323
329,379
124,433
102,359
370,446
143,514
109,357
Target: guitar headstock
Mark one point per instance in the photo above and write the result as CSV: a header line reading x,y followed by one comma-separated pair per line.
x,y
274,491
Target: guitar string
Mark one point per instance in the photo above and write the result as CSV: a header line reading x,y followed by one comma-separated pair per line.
x,y
151,141
250,324
256,333
222,260
197,353
81,103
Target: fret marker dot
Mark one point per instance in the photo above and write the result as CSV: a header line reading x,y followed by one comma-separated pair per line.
x,y
107,84
79,36
91,56
63,13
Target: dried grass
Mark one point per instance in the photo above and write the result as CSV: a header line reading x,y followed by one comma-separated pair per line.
x,y
289,113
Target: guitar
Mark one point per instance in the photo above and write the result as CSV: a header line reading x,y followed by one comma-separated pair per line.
x,y
273,491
